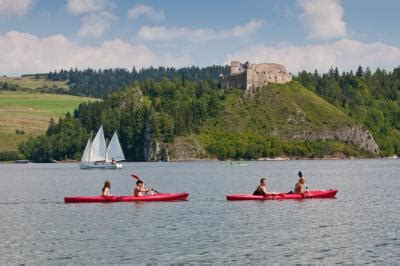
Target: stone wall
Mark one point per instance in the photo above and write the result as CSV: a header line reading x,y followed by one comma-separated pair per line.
x,y
251,76
237,80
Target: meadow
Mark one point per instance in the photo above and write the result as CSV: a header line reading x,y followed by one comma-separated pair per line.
x,y
25,114
31,82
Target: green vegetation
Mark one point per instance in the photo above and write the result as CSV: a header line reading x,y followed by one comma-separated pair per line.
x,y
228,123
38,83
251,145
102,83
158,105
372,99
265,124
142,115
287,108
24,114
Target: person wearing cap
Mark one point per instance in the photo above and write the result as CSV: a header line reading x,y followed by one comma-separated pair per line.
x,y
300,185
262,188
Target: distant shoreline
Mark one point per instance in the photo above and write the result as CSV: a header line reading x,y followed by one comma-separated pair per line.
x,y
226,161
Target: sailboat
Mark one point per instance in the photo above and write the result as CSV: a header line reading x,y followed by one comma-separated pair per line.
x,y
98,155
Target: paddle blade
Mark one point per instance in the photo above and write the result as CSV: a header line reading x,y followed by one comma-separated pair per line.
x,y
300,174
135,176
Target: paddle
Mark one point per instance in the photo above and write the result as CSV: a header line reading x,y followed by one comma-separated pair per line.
x,y
138,178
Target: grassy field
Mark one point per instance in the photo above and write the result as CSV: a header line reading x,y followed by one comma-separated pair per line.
x,y
30,112
29,82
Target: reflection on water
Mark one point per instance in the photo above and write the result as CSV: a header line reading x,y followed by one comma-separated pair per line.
x,y
358,227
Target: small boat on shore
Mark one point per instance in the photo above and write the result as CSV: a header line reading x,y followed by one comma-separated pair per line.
x,y
23,162
312,194
104,199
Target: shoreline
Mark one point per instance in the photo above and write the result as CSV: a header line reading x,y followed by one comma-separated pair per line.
x,y
280,158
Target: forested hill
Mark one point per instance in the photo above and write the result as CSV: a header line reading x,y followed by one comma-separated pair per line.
x,y
179,119
370,98
100,83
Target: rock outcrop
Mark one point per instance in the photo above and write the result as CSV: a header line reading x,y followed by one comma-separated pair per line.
x,y
354,134
187,149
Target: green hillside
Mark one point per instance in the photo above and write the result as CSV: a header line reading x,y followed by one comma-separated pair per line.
x,y
286,108
370,98
265,123
24,114
31,82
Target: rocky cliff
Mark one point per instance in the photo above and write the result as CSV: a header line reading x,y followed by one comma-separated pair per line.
x,y
354,134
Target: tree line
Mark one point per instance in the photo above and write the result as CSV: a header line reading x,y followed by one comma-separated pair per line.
x,y
100,83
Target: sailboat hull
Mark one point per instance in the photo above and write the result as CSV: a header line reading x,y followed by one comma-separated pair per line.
x,y
99,165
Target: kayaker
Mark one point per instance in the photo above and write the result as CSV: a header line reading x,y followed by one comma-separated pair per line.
x,y
262,188
140,190
105,191
300,185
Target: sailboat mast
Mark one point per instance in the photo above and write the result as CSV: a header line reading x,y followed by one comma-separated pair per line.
x,y
105,153
91,133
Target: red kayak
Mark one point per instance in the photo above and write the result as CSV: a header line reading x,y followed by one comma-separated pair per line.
x,y
155,197
312,194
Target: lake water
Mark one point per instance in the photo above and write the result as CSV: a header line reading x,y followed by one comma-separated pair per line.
x,y
360,226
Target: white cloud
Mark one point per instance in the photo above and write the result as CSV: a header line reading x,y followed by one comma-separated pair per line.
x,y
14,7
79,7
145,10
26,53
95,24
345,54
97,16
166,34
324,18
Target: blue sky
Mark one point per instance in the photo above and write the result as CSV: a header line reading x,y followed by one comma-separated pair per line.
x,y
43,35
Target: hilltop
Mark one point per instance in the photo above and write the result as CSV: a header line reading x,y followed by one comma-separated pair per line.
x,y
33,83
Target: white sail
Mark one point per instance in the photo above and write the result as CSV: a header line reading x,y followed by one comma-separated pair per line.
x,y
86,153
98,148
114,150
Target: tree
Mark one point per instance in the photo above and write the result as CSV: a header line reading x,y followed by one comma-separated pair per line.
x,y
359,72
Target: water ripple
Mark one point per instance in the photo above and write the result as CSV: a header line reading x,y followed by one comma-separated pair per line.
x,y
358,227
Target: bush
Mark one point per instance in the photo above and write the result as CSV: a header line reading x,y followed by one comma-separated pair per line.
x,y
10,156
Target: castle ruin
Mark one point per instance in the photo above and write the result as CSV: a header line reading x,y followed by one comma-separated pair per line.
x,y
251,76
